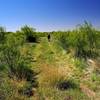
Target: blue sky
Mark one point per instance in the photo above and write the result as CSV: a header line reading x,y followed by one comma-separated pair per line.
x,y
48,15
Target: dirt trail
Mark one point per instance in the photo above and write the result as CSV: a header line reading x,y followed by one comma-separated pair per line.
x,y
91,94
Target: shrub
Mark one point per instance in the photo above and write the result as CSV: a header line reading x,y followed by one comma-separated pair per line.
x,y
67,84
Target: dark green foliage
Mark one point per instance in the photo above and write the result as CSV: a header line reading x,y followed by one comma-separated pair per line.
x,y
2,34
86,40
83,41
17,65
69,84
29,33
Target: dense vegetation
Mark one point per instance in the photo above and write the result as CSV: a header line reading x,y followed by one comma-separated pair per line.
x,y
61,65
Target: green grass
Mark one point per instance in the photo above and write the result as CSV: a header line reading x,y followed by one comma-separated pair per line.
x,y
55,70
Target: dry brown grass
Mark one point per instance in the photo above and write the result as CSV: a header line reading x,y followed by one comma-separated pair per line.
x,y
50,75
18,83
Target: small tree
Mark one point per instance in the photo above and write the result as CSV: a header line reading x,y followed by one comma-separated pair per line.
x,y
2,34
